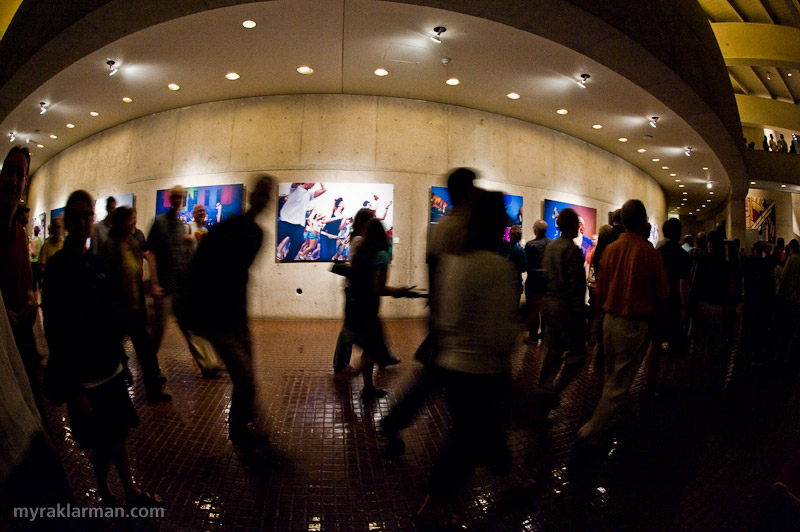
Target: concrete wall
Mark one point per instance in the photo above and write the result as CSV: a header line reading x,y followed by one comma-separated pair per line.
x,y
341,138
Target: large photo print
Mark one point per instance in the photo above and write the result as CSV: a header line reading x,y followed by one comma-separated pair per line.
x,y
221,202
315,219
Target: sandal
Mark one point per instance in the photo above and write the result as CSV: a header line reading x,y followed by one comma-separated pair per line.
x,y
146,500
445,521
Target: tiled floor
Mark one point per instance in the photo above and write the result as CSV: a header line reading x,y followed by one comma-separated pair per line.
x,y
685,462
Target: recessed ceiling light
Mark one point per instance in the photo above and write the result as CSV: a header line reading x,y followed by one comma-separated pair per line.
x,y
665,167
641,150
174,87
381,72
233,76
783,186
673,174
53,136
622,139
712,193
562,111
598,126
40,145
70,126
305,69
453,81
709,185
705,168
94,113
656,160
681,185
127,100
512,96
708,201
249,24
677,180
685,193
752,182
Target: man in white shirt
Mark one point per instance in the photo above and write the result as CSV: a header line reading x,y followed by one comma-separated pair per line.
x,y
292,217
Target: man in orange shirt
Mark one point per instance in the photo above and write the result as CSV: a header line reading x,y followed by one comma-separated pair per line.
x,y
633,292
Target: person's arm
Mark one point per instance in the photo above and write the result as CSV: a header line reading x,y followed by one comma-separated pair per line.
x,y
321,190
382,289
155,287
385,212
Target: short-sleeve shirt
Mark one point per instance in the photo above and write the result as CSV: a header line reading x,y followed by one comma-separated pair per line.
x,y
294,210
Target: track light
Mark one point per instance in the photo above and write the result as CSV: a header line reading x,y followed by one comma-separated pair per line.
x,y
12,137
688,151
111,68
768,76
42,108
653,121
438,37
583,80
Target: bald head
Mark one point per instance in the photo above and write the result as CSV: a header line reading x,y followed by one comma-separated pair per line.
x,y
539,228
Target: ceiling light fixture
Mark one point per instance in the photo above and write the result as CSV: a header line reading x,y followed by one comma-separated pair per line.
x,y
783,186
12,137
622,139
685,193
681,186
40,145
127,100
305,69
598,126
673,175
656,160
94,113
654,121
583,80
641,150
562,111
70,126
232,76
112,69
249,24
174,87
752,182
513,96
709,185
54,136
42,108
665,167
712,192
768,76
688,151
705,168
381,72
453,81
438,37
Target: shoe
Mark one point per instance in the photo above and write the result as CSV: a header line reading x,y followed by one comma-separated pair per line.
x,y
209,373
373,393
158,397
389,362
249,438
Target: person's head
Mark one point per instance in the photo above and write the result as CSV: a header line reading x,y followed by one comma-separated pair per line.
x,y
35,230
688,239
634,216
716,242
782,136
123,222
338,204
262,190
176,195
616,217
487,221
374,238
603,230
779,244
568,223
794,246
672,229
539,228
57,228
14,178
461,186
758,248
21,216
701,240
581,225
111,206
515,234
308,186
199,214
78,217
360,221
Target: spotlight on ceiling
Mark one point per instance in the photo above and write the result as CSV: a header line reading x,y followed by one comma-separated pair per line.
x,y
688,151
583,80
769,77
111,68
709,185
654,121
12,137
438,37
42,108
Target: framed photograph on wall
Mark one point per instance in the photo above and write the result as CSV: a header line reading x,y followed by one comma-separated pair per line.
x,y
315,219
57,213
221,202
587,217
760,216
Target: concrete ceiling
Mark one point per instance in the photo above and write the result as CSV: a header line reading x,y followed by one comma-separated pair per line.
x,y
344,41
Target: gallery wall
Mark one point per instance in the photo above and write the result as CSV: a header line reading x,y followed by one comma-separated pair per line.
x,y
341,138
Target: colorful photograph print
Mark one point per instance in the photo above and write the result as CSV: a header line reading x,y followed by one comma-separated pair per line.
x,y
315,219
440,206
760,216
41,222
587,235
221,202
123,200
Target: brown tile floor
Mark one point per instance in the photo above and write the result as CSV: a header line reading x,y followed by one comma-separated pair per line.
x,y
685,463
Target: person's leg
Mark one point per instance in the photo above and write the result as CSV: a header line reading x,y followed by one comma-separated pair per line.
x,y
555,345
101,457
145,347
236,354
295,232
343,351
203,353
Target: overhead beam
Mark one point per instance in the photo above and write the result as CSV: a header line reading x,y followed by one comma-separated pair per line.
x,y
738,83
735,10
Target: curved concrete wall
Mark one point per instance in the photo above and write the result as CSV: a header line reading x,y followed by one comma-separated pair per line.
x,y
341,138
